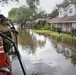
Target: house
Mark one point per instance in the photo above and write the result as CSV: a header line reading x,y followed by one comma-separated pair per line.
x,y
40,21
66,18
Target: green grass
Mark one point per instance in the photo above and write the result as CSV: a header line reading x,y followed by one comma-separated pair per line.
x,y
42,31
54,33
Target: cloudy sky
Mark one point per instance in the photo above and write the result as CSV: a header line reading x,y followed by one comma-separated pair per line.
x,y
47,5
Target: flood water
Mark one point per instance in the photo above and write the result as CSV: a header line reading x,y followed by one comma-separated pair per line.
x,y
47,54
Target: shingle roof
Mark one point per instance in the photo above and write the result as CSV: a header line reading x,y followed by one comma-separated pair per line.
x,y
64,19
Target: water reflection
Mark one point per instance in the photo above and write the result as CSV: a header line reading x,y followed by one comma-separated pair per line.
x,y
30,40
47,54
66,47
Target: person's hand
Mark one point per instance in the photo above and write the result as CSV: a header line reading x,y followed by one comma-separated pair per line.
x,y
12,28
10,67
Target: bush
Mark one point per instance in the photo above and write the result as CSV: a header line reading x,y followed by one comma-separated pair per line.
x,y
41,27
38,27
54,28
46,27
66,32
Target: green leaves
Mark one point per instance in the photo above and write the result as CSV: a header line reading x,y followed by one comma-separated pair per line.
x,y
4,2
32,3
66,3
21,14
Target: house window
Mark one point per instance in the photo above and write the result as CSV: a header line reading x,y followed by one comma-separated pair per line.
x,y
60,12
70,10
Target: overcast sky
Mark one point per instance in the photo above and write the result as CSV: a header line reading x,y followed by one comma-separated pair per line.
x,y
47,5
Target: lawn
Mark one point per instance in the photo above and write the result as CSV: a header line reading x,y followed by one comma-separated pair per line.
x,y
54,33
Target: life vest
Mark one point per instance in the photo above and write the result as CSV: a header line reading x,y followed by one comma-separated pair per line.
x,y
2,53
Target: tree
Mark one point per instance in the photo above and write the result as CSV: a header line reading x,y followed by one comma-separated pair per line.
x,y
54,13
74,1
20,14
63,4
12,13
3,2
39,13
32,3
23,14
66,3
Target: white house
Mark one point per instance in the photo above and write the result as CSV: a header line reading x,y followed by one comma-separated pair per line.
x,y
66,18
71,10
62,12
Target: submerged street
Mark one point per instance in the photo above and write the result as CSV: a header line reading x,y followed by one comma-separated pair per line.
x,y
46,54
44,41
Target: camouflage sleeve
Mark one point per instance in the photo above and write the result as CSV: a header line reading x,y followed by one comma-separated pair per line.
x,y
3,29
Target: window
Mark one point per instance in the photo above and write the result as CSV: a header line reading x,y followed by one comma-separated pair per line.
x,y
70,10
60,12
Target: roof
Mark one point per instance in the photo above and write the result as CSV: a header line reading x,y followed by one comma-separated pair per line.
x,y
70,5
64,19
61,8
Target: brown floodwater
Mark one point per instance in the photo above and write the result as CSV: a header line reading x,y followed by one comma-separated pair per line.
x,y
47,54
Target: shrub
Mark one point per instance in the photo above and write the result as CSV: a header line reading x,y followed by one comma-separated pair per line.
x,y
54,28
66,32
39,27
46,27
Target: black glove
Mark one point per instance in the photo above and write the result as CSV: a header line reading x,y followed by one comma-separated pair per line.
x,y
12,28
